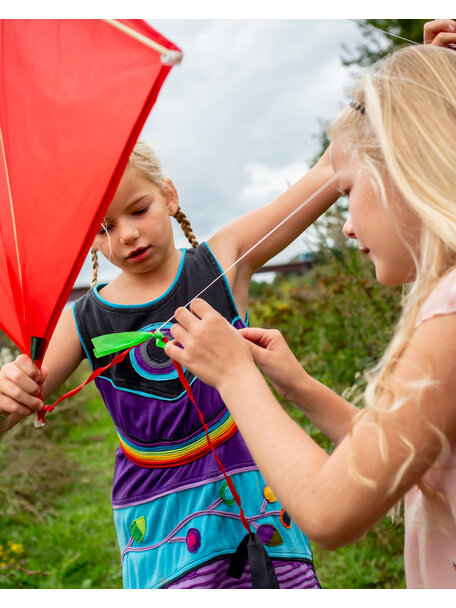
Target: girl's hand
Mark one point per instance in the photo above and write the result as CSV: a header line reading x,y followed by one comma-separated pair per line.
x,y
20,383
212,349
273,355
440,32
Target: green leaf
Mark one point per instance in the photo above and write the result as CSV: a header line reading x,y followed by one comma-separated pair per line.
x,y
111,343
138,529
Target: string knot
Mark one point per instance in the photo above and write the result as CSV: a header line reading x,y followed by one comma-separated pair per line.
x,y
160,339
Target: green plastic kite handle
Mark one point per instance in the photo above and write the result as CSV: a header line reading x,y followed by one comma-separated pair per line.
x,y
111,343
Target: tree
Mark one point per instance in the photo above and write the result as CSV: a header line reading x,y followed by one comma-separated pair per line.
x,y
382,41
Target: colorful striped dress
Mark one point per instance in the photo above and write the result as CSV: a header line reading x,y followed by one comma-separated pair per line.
x,y
176,520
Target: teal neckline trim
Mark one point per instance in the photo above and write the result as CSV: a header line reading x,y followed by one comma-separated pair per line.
x,y
136,306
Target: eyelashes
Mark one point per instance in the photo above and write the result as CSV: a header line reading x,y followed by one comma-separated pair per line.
x,y
141,211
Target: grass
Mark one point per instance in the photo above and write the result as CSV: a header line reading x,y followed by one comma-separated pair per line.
x,y
57,530
57,490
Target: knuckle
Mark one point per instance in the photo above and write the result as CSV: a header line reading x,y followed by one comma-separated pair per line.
x,y
16,408
16,393
179,312
15,374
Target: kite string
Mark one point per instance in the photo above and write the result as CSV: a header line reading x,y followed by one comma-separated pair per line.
x,y
303,204
121,356
382,31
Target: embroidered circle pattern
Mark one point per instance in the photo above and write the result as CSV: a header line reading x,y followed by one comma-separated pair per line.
x,y
150,361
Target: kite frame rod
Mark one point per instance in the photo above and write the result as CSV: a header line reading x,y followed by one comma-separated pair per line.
x,y
173,56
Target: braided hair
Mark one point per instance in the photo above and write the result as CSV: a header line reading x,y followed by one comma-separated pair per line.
x,y
143,159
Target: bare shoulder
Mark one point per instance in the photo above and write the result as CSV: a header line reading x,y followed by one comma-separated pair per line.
x,y
431,354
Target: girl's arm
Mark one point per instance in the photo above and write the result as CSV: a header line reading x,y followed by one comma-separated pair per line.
x,y
21,381
329,412
333,498
232,241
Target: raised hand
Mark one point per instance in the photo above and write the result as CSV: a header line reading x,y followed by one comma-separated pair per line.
x,y
440,32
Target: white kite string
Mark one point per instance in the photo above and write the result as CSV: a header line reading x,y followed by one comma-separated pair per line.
x,y
312,196
382,31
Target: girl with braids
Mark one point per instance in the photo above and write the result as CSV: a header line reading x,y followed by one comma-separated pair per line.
x,y
394,159
175,516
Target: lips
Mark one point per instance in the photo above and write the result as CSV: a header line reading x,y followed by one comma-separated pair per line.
x,y
137,253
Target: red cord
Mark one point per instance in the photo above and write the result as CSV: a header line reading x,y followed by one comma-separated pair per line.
x,y
93,375
120,357
188,388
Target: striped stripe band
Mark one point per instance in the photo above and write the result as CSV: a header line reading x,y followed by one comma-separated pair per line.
x,y
179,452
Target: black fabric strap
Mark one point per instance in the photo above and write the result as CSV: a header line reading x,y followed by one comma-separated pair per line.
x,y
261,568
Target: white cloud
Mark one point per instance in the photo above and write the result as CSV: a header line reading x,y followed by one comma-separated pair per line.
x,y
266,183
242,110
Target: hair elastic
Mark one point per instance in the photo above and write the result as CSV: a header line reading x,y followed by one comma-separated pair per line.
x,y
359,107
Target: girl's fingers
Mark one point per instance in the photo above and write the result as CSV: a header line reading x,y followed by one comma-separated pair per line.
x,y
444,39
178,332
17,399
262,337
13,407
186,319
28,367
16,375
44,374
254,334
175,352
431,28
201,308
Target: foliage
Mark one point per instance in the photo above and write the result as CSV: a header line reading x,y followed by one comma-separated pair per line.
x,y
377,41
55,487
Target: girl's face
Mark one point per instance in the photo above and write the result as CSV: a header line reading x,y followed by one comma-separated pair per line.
x,y
376,231
137,234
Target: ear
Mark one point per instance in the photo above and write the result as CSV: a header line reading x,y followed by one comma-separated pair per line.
x,y
171,196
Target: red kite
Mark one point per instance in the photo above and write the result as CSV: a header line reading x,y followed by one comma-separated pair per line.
x,y
74,95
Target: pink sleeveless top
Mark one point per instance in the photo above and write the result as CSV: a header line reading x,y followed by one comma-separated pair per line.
x,y
430,551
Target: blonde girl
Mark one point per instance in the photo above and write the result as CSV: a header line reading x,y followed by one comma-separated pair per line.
x,y
176,520
394,157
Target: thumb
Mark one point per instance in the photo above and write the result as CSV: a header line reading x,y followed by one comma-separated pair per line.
x,y
259,354
44,373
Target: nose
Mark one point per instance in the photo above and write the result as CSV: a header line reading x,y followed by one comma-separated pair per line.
x,y
128,233
348,229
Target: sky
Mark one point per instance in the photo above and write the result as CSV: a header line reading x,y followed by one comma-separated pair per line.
x,y
238,120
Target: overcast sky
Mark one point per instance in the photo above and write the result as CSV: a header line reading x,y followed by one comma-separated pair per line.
x,y
237,120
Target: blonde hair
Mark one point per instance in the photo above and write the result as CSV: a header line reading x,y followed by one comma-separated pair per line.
x,y
400,129
143,159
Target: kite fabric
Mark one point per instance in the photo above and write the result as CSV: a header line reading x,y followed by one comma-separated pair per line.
x,y
74,96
